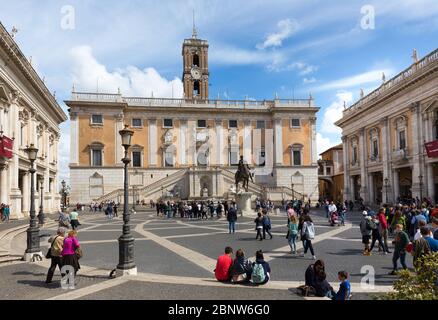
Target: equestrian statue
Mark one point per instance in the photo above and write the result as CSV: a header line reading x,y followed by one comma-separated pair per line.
x,y
243,174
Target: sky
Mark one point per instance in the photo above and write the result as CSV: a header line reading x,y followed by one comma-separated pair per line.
x,y
329,49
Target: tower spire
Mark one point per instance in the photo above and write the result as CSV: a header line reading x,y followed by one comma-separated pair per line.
x,y
195,32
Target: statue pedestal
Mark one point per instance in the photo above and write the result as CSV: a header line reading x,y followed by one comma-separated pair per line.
x,y
243,201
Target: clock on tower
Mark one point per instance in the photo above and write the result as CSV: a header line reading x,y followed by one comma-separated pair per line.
x,y
195,68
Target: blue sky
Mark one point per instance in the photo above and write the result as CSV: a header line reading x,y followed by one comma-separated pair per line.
x,y
257,48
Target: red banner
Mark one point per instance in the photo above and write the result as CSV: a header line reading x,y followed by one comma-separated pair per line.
x,y
6,147
432,149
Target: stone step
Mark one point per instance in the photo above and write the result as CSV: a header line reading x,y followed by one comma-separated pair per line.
x,y
9,258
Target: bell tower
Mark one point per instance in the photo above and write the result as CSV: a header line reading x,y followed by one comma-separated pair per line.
x,y
195,67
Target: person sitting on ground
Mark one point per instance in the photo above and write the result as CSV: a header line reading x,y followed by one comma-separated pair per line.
x,y
322,286
311,270
344,287
223,265
261,270
241,269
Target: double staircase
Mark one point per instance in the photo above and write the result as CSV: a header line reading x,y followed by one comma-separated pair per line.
x,y
145,191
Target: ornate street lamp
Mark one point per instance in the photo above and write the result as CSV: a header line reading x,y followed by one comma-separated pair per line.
x,y
33,250
126,264
41,213
386,189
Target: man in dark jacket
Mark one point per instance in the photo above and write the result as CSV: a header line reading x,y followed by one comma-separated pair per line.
x,y
232,218
400,242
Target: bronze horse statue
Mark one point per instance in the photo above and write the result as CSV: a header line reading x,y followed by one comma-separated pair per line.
x,y
243,175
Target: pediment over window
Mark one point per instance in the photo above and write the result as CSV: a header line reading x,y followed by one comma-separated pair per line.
x,y
400,121
95,145
296,146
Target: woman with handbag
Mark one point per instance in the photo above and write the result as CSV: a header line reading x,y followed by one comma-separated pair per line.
x,y
54,253
71,252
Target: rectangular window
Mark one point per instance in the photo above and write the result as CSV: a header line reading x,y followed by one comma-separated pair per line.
x,y
297,158
21,135
232,124
328,170
375,148
168,159
202,124
168,123
354,155
295,123
261,124
97,158
234,156
96,119
402,139
136,123
136,159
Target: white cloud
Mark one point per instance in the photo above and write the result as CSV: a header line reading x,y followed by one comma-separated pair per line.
x,y
229,55
334,112
323,143
308,81
357,80
304,69
286,28
88,74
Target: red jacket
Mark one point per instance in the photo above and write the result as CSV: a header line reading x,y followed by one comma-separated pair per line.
x,y
382,220
223,265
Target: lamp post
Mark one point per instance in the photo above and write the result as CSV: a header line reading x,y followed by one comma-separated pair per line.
x,y
33,250
133,198
126,264
64,196
420,178
41,213
386,189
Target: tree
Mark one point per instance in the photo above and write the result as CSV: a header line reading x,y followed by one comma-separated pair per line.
x,y
421,285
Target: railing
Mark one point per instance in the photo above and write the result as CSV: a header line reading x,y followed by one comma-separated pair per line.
x,y
146,189
401,77
192,103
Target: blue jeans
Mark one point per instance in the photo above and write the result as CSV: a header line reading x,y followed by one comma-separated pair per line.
x,y
231,226
292,242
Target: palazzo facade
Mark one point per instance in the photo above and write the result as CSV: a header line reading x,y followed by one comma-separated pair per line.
x,y
386,134
29,114
189,148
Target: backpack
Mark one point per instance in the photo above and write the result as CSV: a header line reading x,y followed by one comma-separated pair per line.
x,y
258,273
309,231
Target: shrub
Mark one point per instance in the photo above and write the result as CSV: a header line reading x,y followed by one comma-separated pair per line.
x,y
421,285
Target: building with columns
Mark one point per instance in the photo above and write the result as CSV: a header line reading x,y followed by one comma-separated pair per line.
x,y
29,114
384,136
189,148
